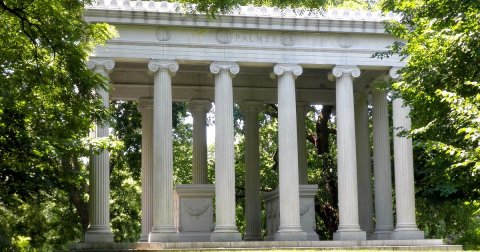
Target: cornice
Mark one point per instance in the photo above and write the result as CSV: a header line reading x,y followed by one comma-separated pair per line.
x,y
244,17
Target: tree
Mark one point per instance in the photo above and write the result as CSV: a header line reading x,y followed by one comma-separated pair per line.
x,y
47,106
440,44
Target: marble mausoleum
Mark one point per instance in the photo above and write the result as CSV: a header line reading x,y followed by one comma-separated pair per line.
x,y
255,56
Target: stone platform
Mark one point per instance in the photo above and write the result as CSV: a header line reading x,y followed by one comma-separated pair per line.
x,y
409,245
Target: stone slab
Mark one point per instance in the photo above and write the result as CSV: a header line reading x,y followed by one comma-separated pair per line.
x,y
409,245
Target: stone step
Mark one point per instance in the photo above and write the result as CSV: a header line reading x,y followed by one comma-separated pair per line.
x,y
384,245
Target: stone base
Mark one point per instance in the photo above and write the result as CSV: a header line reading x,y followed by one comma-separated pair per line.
x,y
98,236
312,237
163,237
349,236
381,235
407,235
194,236
225,236
143,238
290,236
386,245
370,235
253,237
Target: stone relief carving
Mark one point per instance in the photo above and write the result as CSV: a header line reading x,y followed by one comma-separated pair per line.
x,y
304,208
163,34
196,209
287,39
224,37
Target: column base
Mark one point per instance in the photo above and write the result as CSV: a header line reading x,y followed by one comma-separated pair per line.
x,y
370,235
290,236
163,234
163,237
222,236
98,234
341,235
253,237
399,234
382,235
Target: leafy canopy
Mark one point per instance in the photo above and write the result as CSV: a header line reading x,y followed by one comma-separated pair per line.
x,y
47,105
441,83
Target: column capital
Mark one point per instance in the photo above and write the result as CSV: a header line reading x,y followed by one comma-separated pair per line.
x,y
294,69
144,104
393,73
106,63
250,106
338,71
204,105
168,65
231,67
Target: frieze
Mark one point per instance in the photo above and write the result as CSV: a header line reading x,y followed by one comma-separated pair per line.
x,y
224,37
242,37
345,41
163,34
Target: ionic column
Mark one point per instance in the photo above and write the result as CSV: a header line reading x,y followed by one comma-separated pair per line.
x,y
406,228
364,164
145,106
349,228
99,229
225,226
290,228
382,164
252,172
199,109
163,218
302,141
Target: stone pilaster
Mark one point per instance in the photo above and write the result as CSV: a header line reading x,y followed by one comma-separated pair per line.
x,y
199,110
302,143
145,106
364,164
253,216
349,228
99,229
290,227
382,164
163,216
406,228
225,227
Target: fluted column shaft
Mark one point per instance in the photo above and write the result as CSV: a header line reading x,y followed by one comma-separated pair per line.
x,y
162,229
252,172
382,165
199,109
406,226
145,106
349,228
225,226
302,141
289,228
364,164
99,229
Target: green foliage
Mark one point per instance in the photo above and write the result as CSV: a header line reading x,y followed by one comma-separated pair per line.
x,y
47,106
455,221
440,44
